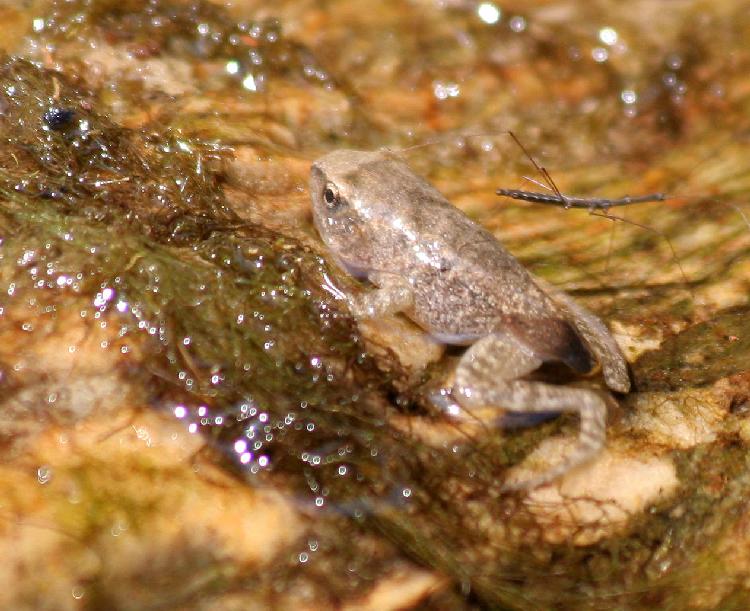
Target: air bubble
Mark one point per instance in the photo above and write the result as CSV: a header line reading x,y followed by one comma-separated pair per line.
x,y
628,96
599,54
517,24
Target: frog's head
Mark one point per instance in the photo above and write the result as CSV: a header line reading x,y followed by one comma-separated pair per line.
x,y
341,207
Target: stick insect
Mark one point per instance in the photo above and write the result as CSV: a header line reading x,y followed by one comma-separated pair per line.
x,y
595,205
557,198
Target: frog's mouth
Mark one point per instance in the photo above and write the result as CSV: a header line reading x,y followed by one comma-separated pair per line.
x,y
357,271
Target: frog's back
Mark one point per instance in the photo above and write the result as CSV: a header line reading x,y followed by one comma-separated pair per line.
x,y
480,288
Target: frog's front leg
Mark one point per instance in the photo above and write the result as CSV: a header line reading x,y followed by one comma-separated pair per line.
x,y
394,294
487,375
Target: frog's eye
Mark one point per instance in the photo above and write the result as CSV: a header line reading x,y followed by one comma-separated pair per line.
x,y
331,196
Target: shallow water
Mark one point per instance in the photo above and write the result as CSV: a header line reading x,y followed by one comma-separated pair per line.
x,y
191,417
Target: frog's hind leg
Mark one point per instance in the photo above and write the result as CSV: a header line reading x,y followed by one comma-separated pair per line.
x,y
487,375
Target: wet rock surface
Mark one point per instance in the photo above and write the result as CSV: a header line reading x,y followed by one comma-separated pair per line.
x,y
190,416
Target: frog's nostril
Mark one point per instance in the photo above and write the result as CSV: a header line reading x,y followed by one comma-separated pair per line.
x,y
316,174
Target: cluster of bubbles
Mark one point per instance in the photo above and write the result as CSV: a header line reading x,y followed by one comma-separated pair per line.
x,y
255,434
252,52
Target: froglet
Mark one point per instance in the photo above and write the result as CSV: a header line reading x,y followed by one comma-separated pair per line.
x,y
427,259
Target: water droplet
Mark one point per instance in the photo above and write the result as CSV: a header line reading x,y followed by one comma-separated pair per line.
x,y
669,79
599,54
44,474
517,24
250,84
628,96
489,13
608,36
443,91
674,61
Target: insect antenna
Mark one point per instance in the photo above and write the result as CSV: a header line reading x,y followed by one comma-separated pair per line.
x,y
542,171
434,141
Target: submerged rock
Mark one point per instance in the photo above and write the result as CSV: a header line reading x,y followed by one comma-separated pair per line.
x,y
191,418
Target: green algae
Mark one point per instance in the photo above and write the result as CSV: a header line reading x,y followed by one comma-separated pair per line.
x,y
229,322
238,314
232,319
700,355
674,543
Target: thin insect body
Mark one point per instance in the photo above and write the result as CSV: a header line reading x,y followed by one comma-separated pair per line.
x,y
557,198
568,201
